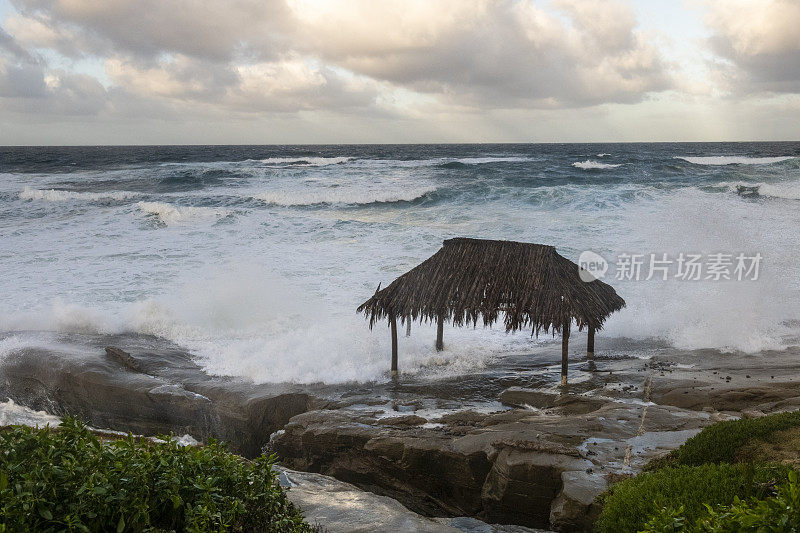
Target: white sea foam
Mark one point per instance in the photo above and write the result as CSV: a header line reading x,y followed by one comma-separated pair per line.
x,y
59,195
592,165
171,214
603,155
291,316
343,196
486,160
788,191
734,160
726,315
784,190
245,320
13,414
299,161
57,315
305,161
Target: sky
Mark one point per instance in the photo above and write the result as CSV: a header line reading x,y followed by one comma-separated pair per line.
x,y
405,71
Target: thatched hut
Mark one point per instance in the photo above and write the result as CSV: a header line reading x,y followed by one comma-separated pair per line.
x,y
468,280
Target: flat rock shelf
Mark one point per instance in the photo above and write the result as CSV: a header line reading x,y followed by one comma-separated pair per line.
x,y
501,448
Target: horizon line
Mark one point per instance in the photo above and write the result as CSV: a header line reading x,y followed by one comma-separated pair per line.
x,y
145,145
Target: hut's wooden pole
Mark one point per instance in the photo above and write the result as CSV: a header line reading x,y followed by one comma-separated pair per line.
x,y
590,344
408,326
440,333
565,351
393,321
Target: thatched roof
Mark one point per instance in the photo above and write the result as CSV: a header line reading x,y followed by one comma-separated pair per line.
x,y
530,284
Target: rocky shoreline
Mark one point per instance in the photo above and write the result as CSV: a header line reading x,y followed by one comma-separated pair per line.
x,y
534,456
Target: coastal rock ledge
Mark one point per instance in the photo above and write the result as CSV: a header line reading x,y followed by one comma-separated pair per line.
x,y
539,460
525,467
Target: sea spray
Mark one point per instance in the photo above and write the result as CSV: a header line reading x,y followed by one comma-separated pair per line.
x,y
267,288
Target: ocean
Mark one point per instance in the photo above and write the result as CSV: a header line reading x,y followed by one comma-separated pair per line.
x,y
254,258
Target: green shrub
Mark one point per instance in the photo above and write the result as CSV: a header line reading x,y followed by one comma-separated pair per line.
x,y
67,479
720,442
780,513
627,505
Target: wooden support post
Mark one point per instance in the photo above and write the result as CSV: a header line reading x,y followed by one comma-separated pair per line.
x,y
565,351
408,326
590,344
440,333
393,321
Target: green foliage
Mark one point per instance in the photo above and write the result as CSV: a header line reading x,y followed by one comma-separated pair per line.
x,y
778,514
67,479
700,486
720,442
687,489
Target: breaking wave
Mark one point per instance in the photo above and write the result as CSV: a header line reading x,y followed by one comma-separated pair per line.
x,y
346,196
485,160
593,165
786,190
169,214
305,161
58,195
734,160
243,320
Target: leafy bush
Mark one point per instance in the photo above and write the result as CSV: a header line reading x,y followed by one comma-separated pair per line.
x,y
627,505
68,479
720,442
780,513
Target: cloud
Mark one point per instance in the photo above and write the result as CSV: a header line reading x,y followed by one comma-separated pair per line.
x,y
760,39
206,29
289,85
28,87
298,55
500,53
10,46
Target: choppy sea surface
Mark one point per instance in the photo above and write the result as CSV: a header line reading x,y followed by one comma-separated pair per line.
x,y
254,258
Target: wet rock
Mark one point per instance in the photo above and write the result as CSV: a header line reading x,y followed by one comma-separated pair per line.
x,y
522,484
123,357
402,421
578,405
95,388
574,509
510,468
425,470
471,525
522,397
731,398
462,418
343,508
567,403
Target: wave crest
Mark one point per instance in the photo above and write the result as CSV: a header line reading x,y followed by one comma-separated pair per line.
x,y
171,214
594,165
342,197
305,161
59,195
786,191
733,160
